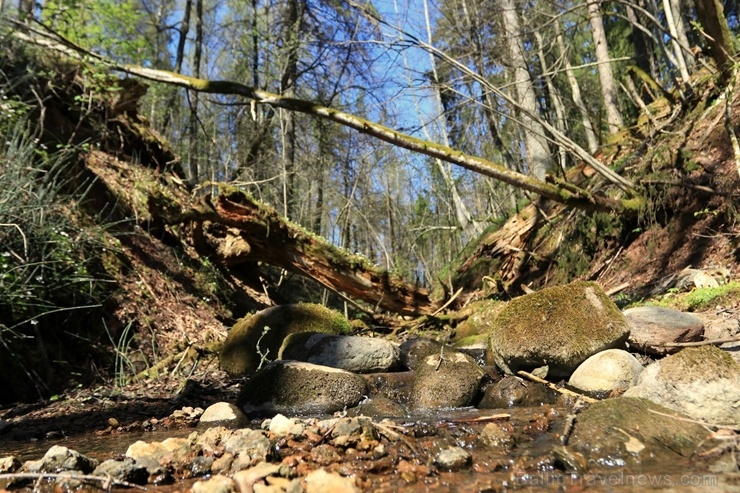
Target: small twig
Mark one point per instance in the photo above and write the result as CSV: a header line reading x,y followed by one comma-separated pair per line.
x,y
617,289
570,421
483,419
452,298
697,343
79,477
554,387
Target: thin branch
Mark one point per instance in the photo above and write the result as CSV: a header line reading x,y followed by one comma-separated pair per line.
x,y
581,199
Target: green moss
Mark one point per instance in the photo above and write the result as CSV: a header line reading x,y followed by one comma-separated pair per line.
x,y
698,363
560,326
697,299
263,333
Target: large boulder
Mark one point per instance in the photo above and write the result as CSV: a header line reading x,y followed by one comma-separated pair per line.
x,y
351,353
558,327
635,433
258,337
702,382
293,387
651,326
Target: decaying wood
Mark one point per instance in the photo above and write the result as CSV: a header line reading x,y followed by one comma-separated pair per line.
x,y
237,229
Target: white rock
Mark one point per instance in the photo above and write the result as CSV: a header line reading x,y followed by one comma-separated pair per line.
x,y
223,414
320,481
608,370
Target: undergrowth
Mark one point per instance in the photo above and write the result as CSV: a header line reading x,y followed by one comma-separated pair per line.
x,y
51,275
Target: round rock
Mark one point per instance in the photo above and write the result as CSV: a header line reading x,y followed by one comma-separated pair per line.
x,y
559,327
608,370
452,382
351,353
293,387
702,382
650,326
634,433
223,414
258,337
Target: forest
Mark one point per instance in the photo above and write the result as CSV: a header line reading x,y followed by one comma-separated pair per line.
x,y
440,151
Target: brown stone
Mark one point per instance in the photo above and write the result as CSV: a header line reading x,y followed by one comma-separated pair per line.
x,y
652,326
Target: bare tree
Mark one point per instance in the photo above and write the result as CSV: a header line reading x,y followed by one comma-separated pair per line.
x,y
535,141
606,77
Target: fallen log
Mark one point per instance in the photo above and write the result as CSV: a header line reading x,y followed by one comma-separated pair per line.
x,y
235,228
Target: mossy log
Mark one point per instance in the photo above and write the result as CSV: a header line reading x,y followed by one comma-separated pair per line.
x,y
236,229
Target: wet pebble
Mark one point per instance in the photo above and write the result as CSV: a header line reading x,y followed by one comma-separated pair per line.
x,y
321,481
452,458
123,469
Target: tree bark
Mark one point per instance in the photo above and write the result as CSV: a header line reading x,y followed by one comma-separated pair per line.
x,y
237,229
575,90
606,77
535,141
721,42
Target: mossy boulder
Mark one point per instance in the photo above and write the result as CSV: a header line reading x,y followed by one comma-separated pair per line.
x,y
702,382
250,337
634,433
479,317
559,327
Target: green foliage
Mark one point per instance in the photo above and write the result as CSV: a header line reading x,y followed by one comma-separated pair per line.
x,y
109,28
696,299
50,266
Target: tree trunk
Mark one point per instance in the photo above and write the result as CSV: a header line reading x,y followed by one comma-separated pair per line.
x,y
606,77
675,41
538,154
183,31
721,42
554,98
292,37
236,229
469,226
193,168
575,90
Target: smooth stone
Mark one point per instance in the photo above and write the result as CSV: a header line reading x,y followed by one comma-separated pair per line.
x,y
701,382
215,484
223,414
152,455
379,407
59,458
558,327
283,426
320,481
650,326
452,458
257,338
513,391
608,370
415,350
452,382
351,353
293,387
123,470
629,432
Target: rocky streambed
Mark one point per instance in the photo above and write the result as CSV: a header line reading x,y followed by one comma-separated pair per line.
x,y
566,392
